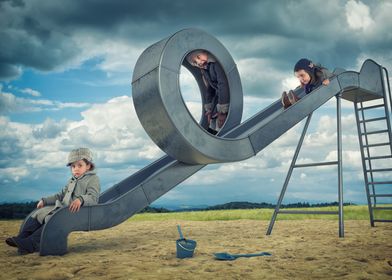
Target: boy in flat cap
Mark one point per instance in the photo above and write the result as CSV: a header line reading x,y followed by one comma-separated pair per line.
x,y
82,189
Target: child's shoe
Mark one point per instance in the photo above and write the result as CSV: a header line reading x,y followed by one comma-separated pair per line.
x,y
292,97
25,245
285,100
10,242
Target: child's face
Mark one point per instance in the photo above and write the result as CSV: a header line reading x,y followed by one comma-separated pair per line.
x,y
303,77
78,168
200,59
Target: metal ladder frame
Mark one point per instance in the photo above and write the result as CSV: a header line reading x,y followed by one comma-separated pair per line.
x,y
294,165
371,193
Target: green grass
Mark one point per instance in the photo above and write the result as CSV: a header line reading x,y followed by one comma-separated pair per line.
x,y
350,213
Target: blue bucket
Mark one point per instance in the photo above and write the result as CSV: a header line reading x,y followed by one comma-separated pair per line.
x,y
185,247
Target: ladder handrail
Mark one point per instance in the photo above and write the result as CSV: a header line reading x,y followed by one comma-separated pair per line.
x,y
388,86
388,110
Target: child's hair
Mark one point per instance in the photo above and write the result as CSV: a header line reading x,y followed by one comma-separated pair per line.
x,y
92,165
304,64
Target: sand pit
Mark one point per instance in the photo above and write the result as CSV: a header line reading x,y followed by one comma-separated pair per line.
x,y
309,249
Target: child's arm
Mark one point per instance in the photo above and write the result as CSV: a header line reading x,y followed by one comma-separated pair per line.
x,y
223,95
324,74
51,200
222,88
90,198
92,192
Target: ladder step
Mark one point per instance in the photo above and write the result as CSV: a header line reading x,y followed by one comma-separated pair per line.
x,y
375,132
380,195
379,170
378,157
383,221
376,145
308,212
371,107
382,208
380,183
373,120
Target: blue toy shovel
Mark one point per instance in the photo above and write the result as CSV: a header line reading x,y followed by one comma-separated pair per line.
x,y
231,257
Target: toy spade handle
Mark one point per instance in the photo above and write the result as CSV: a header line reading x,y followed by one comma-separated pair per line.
x,y
179,231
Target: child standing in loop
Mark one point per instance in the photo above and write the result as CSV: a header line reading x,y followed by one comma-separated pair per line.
x,y
310,76
217,96
81,190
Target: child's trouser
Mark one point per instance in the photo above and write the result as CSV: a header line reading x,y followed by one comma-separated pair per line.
x,y
29,227
28,240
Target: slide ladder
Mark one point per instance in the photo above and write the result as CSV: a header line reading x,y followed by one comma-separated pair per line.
x,y
374,134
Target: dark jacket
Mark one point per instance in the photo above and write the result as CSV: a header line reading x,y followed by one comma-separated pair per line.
x,y
317,77
217,96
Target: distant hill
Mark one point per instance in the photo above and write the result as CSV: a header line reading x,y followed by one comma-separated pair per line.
x,y
21,210
252,205
240,205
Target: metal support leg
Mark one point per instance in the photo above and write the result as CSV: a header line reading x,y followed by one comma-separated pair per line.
x,y
286,182
340,167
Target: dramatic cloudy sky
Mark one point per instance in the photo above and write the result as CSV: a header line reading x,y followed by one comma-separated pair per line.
x,y
65,74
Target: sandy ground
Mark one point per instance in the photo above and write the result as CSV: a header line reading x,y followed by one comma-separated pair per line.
x,y
308,249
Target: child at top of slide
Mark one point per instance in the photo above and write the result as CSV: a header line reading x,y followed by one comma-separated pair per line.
x,y
310,76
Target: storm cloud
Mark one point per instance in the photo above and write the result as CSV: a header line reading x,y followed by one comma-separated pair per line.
x,y
91,106
54,36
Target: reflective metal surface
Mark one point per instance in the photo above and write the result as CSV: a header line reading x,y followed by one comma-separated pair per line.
x,y
162,110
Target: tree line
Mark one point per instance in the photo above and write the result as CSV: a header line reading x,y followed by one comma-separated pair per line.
x,y
21,210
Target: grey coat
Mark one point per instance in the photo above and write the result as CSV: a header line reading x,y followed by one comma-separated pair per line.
x,y
86,188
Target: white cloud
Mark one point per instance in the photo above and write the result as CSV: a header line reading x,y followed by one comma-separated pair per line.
x,y
351,159
290,83
358,15
114,133
44,157
117,56
258,74
65,105
31,92
13,174
111,129
9,103
49,129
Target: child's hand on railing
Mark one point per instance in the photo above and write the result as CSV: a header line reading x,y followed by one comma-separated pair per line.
x,y
40,204
75,205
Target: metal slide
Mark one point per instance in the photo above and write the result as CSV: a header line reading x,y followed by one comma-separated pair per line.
x,y
136,192
139,190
